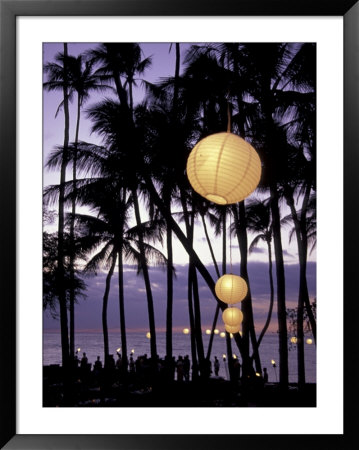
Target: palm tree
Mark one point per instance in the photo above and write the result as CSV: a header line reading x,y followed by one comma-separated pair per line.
x,y
121,62
215,64
169,309
50,285
109,231
58,79
188,105
300,182
82,81
259,223
203,209
278,80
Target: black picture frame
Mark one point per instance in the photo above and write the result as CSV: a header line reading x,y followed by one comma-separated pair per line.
x,y
9,10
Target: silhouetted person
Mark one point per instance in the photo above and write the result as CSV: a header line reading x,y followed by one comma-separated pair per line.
x,y
132,365
172,368
179,366
186,367
119,361
76,361
265,375
84,361
97,368
236,370
216,366
98,364
111,362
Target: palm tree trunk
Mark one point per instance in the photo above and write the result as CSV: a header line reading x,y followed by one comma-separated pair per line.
x,y
271,301
196,304
121,300
303,288
72,236
192,325
186,244
151,314
246,304
214,324
176,87
104,308
195,363
300,341
300,305
191,252
210,245
169,310
121,92
303,233
281,304
61,225
197,314
224,271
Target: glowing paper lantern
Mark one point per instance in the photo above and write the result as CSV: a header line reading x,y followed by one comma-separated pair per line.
x,y
148,335
216,331
232,316
208,331
230,329
293,340
231,288
223,168
309,341
222,334
185,331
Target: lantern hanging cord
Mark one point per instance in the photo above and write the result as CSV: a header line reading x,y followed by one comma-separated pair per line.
x,y
229,125
230,240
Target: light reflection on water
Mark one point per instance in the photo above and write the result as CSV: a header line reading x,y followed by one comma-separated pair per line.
x,y
92,344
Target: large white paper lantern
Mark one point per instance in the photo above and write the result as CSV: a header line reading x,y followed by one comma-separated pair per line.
x,y
223,168
232,316
231,288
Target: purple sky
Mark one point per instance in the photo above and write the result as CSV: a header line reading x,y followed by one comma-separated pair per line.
x,y
88,312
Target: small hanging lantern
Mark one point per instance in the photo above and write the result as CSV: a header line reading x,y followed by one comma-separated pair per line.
x,y
185,330
148,335
232,316
231,288
309,341
232,329
223,168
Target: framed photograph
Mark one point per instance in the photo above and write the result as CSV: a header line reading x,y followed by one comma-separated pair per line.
x,y
37,410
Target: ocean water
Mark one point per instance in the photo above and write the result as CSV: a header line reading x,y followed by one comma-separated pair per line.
x,y
92,344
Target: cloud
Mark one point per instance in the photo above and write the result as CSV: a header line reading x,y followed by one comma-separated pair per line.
x,y
89,311
258,250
